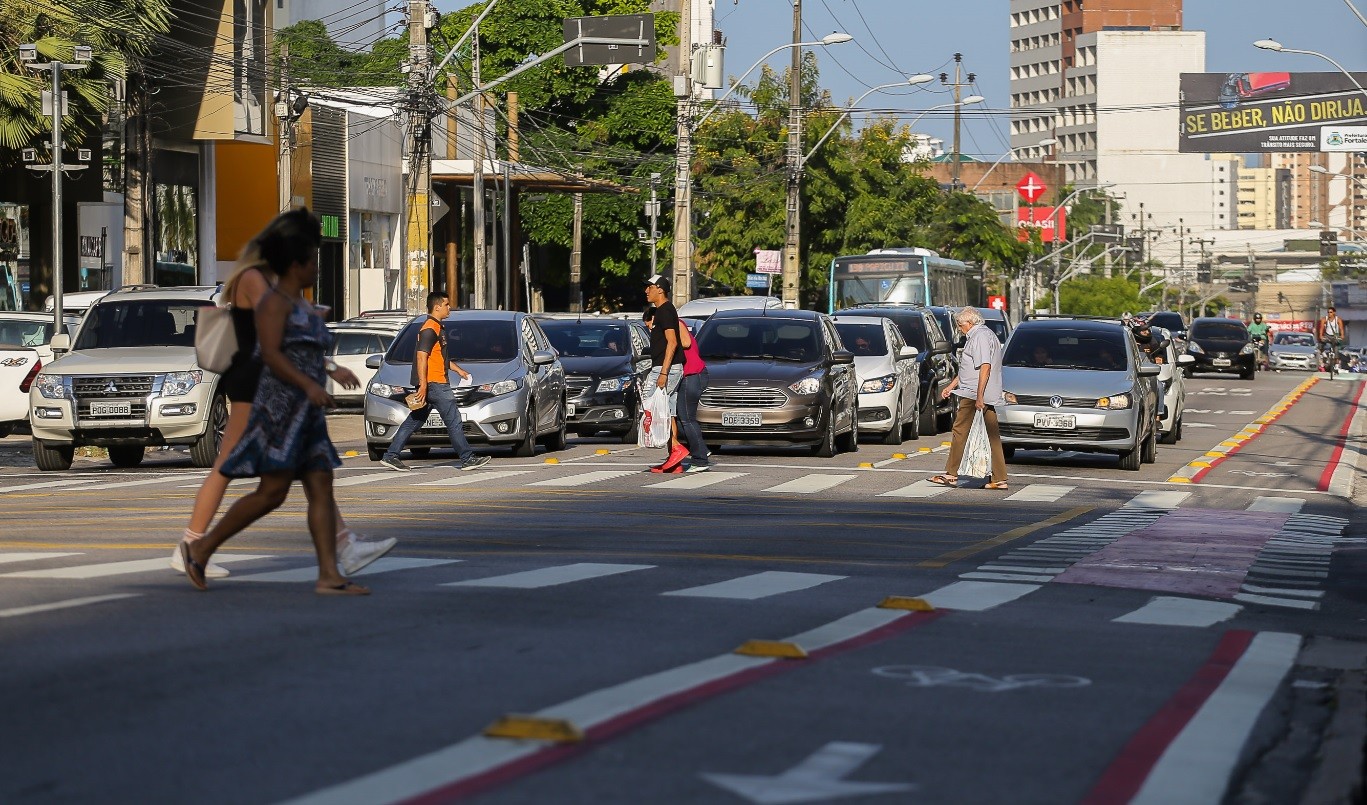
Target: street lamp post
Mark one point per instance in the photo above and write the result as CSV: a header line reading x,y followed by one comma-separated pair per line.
x,y
1045,143
683,185
28,56
1274,45
910,82
1058,248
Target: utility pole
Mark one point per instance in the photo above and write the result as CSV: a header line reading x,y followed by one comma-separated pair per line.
x,y
683,180
958,86
286,132
577,256
137,162
418,246
56,106
792,244
654,221
478,245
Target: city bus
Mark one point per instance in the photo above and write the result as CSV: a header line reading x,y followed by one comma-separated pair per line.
x,y
902,275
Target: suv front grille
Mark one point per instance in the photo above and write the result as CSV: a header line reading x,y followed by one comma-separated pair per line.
x,y
739,397
577,385
1068,402
111,391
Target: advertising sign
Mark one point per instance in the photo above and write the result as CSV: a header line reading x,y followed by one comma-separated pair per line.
x,y
640,27
1343,138
769,261
1041,218
1031,187
996,302
757,280
1268,112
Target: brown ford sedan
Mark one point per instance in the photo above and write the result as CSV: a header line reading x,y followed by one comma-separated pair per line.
x,y
778,377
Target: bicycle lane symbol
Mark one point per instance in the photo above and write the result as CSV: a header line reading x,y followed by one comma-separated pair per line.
x,y
929,676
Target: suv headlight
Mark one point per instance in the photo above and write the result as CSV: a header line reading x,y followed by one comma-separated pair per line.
x,y
501,387
386,390
1115,402
877,384
51,386
1195,348
178,384
807,385
614,384
1248,349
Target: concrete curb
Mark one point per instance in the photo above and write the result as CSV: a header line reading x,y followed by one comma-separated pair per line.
x,y
1337,777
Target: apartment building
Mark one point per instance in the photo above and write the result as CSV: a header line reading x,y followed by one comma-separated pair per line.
x,y
1258,191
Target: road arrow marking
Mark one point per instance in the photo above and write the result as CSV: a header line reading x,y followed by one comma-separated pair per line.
x,y
818,778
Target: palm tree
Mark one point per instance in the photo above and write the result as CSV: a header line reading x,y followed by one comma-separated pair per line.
x,y
120,33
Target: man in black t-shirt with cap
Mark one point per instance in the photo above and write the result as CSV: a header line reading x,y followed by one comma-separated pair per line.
x,y
666,364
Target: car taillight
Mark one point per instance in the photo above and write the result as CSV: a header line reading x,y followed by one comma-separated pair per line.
x,y
28,378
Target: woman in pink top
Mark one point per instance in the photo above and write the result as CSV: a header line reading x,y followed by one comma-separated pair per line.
x,y
692,386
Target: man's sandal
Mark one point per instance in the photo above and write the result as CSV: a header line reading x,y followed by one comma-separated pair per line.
x,y
996,485
945,480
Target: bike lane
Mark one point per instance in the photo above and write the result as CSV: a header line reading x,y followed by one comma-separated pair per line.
x,y
1044,701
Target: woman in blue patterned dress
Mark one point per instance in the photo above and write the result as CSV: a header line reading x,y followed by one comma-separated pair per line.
x,y
287,436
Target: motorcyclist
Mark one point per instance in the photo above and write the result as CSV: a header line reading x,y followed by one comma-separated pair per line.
x,y
1258,331
1154,344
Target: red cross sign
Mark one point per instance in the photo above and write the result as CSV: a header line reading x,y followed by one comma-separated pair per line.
x,y
1031,187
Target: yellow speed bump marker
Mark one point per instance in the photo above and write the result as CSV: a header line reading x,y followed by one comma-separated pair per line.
x,y
772,648
602,451
552,461
906,602
1214,454
923,449
866,465
899,456
534,728
1200,464
944,444
351,454
1177,479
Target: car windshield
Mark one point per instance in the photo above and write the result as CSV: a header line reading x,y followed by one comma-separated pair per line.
x,y
1088,350
863,339
772,339
1220,331
1295,339
587,339
911,325
1168,321
998,328
25,333
943,317
466,342
143,323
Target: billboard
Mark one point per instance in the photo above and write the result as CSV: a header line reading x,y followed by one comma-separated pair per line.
x,y
1041,218
1266,112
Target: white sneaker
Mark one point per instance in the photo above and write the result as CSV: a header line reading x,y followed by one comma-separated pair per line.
x,y
354,554
213,571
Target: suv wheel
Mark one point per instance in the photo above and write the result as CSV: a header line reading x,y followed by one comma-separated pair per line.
x,y
52,457
527,447
204,452
127,455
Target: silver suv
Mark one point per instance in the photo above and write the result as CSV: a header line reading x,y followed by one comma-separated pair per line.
x,y
516,397
130,381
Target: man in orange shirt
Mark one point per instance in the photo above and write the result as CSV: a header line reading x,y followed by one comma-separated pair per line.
x,y
434,390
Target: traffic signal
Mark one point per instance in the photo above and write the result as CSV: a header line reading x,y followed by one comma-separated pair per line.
x,y
1329,243
1203,272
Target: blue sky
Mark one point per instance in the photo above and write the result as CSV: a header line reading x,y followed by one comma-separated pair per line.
x,y
919,36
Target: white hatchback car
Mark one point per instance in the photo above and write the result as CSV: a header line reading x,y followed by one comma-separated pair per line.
x,y
353,342
889,376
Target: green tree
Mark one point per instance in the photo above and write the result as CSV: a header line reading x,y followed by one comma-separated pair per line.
x,y
120,32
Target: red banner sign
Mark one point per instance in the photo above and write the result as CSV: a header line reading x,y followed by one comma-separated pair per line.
x,y
1031,187
1041,218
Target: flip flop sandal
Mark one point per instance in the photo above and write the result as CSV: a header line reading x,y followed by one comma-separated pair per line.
x,y
345,588
996,485
945,480
194,570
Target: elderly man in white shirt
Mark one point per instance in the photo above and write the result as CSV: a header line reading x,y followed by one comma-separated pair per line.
x,y
979,389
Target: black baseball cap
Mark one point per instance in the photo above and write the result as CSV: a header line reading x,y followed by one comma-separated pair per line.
x,y
660,281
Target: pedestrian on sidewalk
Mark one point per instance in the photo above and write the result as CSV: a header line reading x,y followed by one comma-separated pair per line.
x,y
250,282
979,389
286,436
430,367
691,388
666,365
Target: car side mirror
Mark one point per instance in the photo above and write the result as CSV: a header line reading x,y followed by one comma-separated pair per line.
x,y
374,361
61,342
1185,359
543,357
1150,370
1182,334
842,357
908,352
942,348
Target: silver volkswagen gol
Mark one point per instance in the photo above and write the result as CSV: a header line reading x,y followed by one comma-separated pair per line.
x,y
515,398
1077,384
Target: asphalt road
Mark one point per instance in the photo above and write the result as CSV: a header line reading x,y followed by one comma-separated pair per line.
x,y
1178,634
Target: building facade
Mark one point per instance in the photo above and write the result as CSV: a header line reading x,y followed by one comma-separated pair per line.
x,y
1258,198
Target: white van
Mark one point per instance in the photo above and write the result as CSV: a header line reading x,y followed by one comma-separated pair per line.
x,y
701,309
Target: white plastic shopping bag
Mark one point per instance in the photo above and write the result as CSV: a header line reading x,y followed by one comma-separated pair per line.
x,y
977,461
654,430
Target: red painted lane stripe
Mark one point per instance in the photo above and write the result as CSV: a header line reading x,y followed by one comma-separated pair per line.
x,y
625,722
1334,459
1217,462
1127,773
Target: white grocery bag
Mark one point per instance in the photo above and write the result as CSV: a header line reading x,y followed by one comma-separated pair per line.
x,y
977,461
654,430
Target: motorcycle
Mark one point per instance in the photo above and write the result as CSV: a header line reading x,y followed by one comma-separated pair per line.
x,y
1260,345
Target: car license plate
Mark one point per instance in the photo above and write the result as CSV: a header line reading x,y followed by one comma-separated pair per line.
x,y
111,409
739,420
1220,362
570,410
434,420
1056,421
